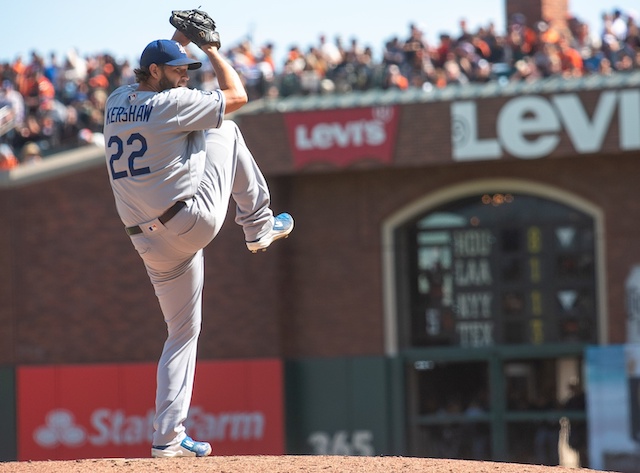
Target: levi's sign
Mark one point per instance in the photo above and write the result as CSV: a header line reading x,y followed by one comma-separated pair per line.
x,y
342,137
531,126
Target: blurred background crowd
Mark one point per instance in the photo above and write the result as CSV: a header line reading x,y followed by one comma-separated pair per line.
x,y
49,104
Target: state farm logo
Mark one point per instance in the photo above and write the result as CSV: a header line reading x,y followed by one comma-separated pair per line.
x,y
342,136
114,427
59,429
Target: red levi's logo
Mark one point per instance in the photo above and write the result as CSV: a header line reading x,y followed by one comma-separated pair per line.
x,y
342,137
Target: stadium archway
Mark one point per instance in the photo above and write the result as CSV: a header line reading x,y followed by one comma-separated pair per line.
x,y
493,289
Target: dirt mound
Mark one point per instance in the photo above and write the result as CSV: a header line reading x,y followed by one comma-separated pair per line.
x,y
277,464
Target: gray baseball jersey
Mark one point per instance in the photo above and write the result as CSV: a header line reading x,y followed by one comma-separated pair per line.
x,y
145,183
172,182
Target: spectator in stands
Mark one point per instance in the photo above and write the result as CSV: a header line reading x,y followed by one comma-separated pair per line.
x,y
610,42
583,42
605,68
36,88
75,69
465,35
368,72
526,70
245,62
353,53
290,77
31,130
571,64
423,71
454,75
628,56
8,159
546,60
414,48
332,53
11,98
524,36
632,43
443,49
355,71
267,69
16,71
126,74
519,41
495,42
618,25
467,59
53,72
31,153
483,71
69,128
393,52
395,79
545,33
313,72
481,47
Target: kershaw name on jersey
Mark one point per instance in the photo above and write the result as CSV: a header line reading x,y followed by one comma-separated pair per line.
x,y
132,113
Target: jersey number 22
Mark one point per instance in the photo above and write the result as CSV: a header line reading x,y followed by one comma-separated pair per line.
x,y
140,148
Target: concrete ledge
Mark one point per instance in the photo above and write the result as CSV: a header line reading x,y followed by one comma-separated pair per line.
x,y
53,166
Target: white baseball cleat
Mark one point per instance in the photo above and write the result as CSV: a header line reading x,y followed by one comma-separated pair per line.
x,y
187,448
282,226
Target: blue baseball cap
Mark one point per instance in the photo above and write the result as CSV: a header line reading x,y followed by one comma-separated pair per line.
x,y
169,52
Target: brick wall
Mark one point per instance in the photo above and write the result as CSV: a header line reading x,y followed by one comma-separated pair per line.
x,y
555,11
79,292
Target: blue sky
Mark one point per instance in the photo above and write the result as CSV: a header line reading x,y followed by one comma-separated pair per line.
x,y
124,27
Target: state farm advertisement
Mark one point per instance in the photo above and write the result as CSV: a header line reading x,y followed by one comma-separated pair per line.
x,y
342,137
104,411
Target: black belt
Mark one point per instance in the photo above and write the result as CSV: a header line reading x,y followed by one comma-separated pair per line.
x,y
164,218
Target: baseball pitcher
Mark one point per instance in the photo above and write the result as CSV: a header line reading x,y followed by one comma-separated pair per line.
x,y
174,162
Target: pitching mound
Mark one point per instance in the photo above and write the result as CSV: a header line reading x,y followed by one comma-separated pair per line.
x,y
278,464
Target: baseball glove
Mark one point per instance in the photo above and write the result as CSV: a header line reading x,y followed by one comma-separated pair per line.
x,y
196,25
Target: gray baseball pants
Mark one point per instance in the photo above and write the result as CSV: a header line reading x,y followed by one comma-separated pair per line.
x,y
174,258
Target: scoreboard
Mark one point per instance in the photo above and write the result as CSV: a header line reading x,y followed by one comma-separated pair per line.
x,y
501,269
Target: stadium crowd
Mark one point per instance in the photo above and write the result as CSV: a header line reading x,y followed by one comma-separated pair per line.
x,y
49,105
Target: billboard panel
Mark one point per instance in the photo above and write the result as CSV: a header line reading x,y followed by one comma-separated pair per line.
x,y
338,406
97,411
342,137
613,399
